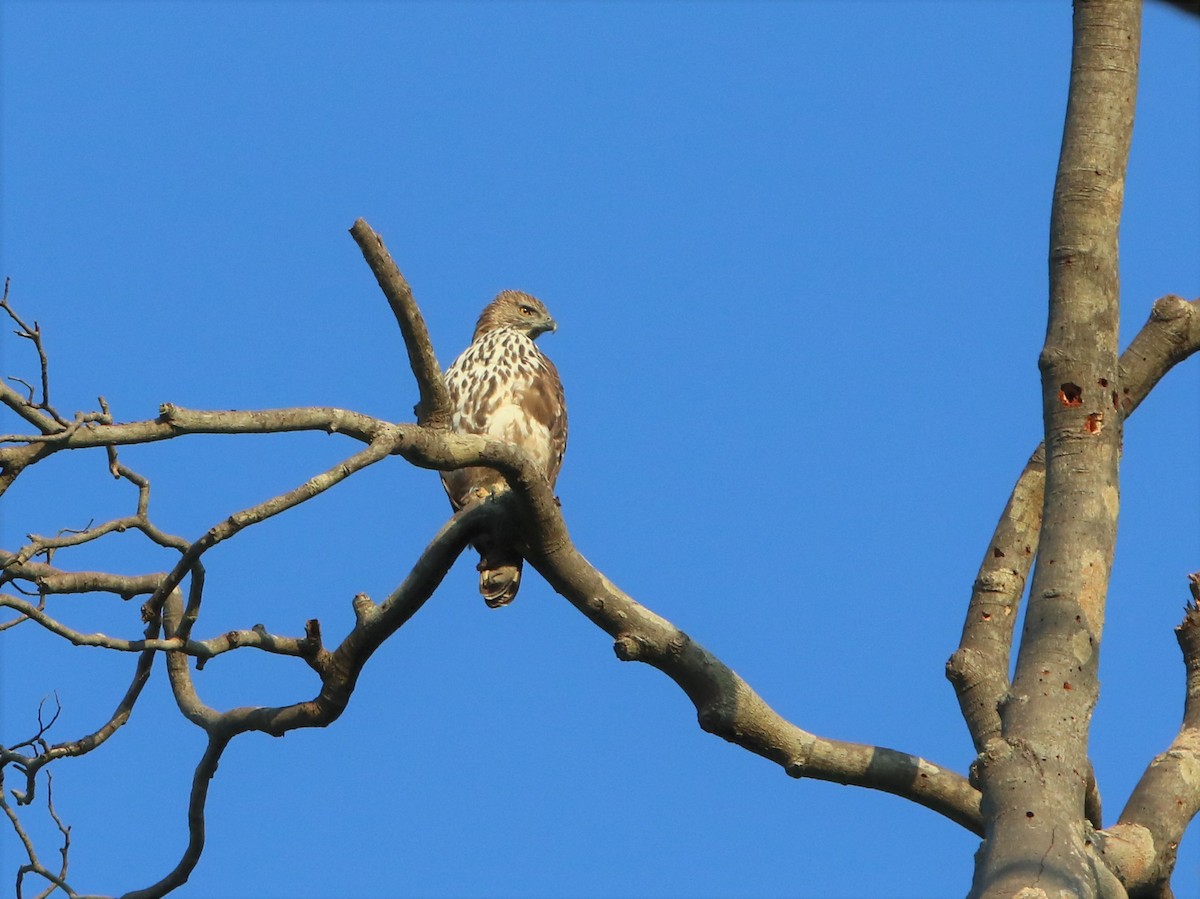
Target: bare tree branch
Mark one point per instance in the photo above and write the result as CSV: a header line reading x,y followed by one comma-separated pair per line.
x,y
31,765
27,408
53,580
339,672
726,705
1143,845
34,865
433,410
201,777
379,448
254,638
978,669
1035,776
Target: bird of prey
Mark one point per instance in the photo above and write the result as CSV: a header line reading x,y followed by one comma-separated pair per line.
x,y
505,388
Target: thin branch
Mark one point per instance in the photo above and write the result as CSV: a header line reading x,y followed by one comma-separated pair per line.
x,y
433,410
255,638
422,446
30,392
86,744
33,335
174,421
725,704
28,410
1142,847
64,850
339,673
201,777
53,580
339,669
21,619
381,447
34,865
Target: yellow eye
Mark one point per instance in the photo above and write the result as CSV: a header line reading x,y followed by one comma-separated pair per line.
x,y
527,310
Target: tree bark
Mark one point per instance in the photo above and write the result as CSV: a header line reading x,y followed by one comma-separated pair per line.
x,y
1035,774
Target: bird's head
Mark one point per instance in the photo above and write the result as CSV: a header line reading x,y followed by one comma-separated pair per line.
x,y
516,310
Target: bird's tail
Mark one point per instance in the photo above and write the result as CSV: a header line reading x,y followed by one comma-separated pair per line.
x,y
499,576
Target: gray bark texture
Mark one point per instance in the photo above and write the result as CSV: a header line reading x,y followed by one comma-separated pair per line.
x,y
1035,774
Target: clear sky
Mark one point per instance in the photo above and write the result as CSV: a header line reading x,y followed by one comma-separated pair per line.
x,y
797,256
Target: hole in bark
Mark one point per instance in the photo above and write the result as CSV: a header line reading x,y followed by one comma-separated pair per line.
x,y
1066,685
1095,423
997,553
1029,814
1103,382
1070,394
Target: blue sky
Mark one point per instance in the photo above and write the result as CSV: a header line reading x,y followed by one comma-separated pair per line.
x,y
797,256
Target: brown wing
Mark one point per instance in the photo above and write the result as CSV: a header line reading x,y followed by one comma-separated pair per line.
x,y
545,403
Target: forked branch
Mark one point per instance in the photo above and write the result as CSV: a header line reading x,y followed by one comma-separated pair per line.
x,y
979,668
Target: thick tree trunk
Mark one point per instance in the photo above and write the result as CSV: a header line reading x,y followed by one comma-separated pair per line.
x,y
1035,775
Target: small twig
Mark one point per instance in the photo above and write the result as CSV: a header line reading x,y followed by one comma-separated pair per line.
x,y
28,387
20,619
44,726
59,436
34,864
28,410
65,850
38,741
91,741
34,335
254,638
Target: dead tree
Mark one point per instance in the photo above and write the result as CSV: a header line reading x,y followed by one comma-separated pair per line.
x,y
1030,796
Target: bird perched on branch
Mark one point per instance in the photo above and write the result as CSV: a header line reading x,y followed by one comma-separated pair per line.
x,y
504,387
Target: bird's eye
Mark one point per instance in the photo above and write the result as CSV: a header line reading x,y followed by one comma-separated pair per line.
x,y
526,310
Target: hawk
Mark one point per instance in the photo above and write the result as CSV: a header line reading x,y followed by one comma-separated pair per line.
x,y
504,387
